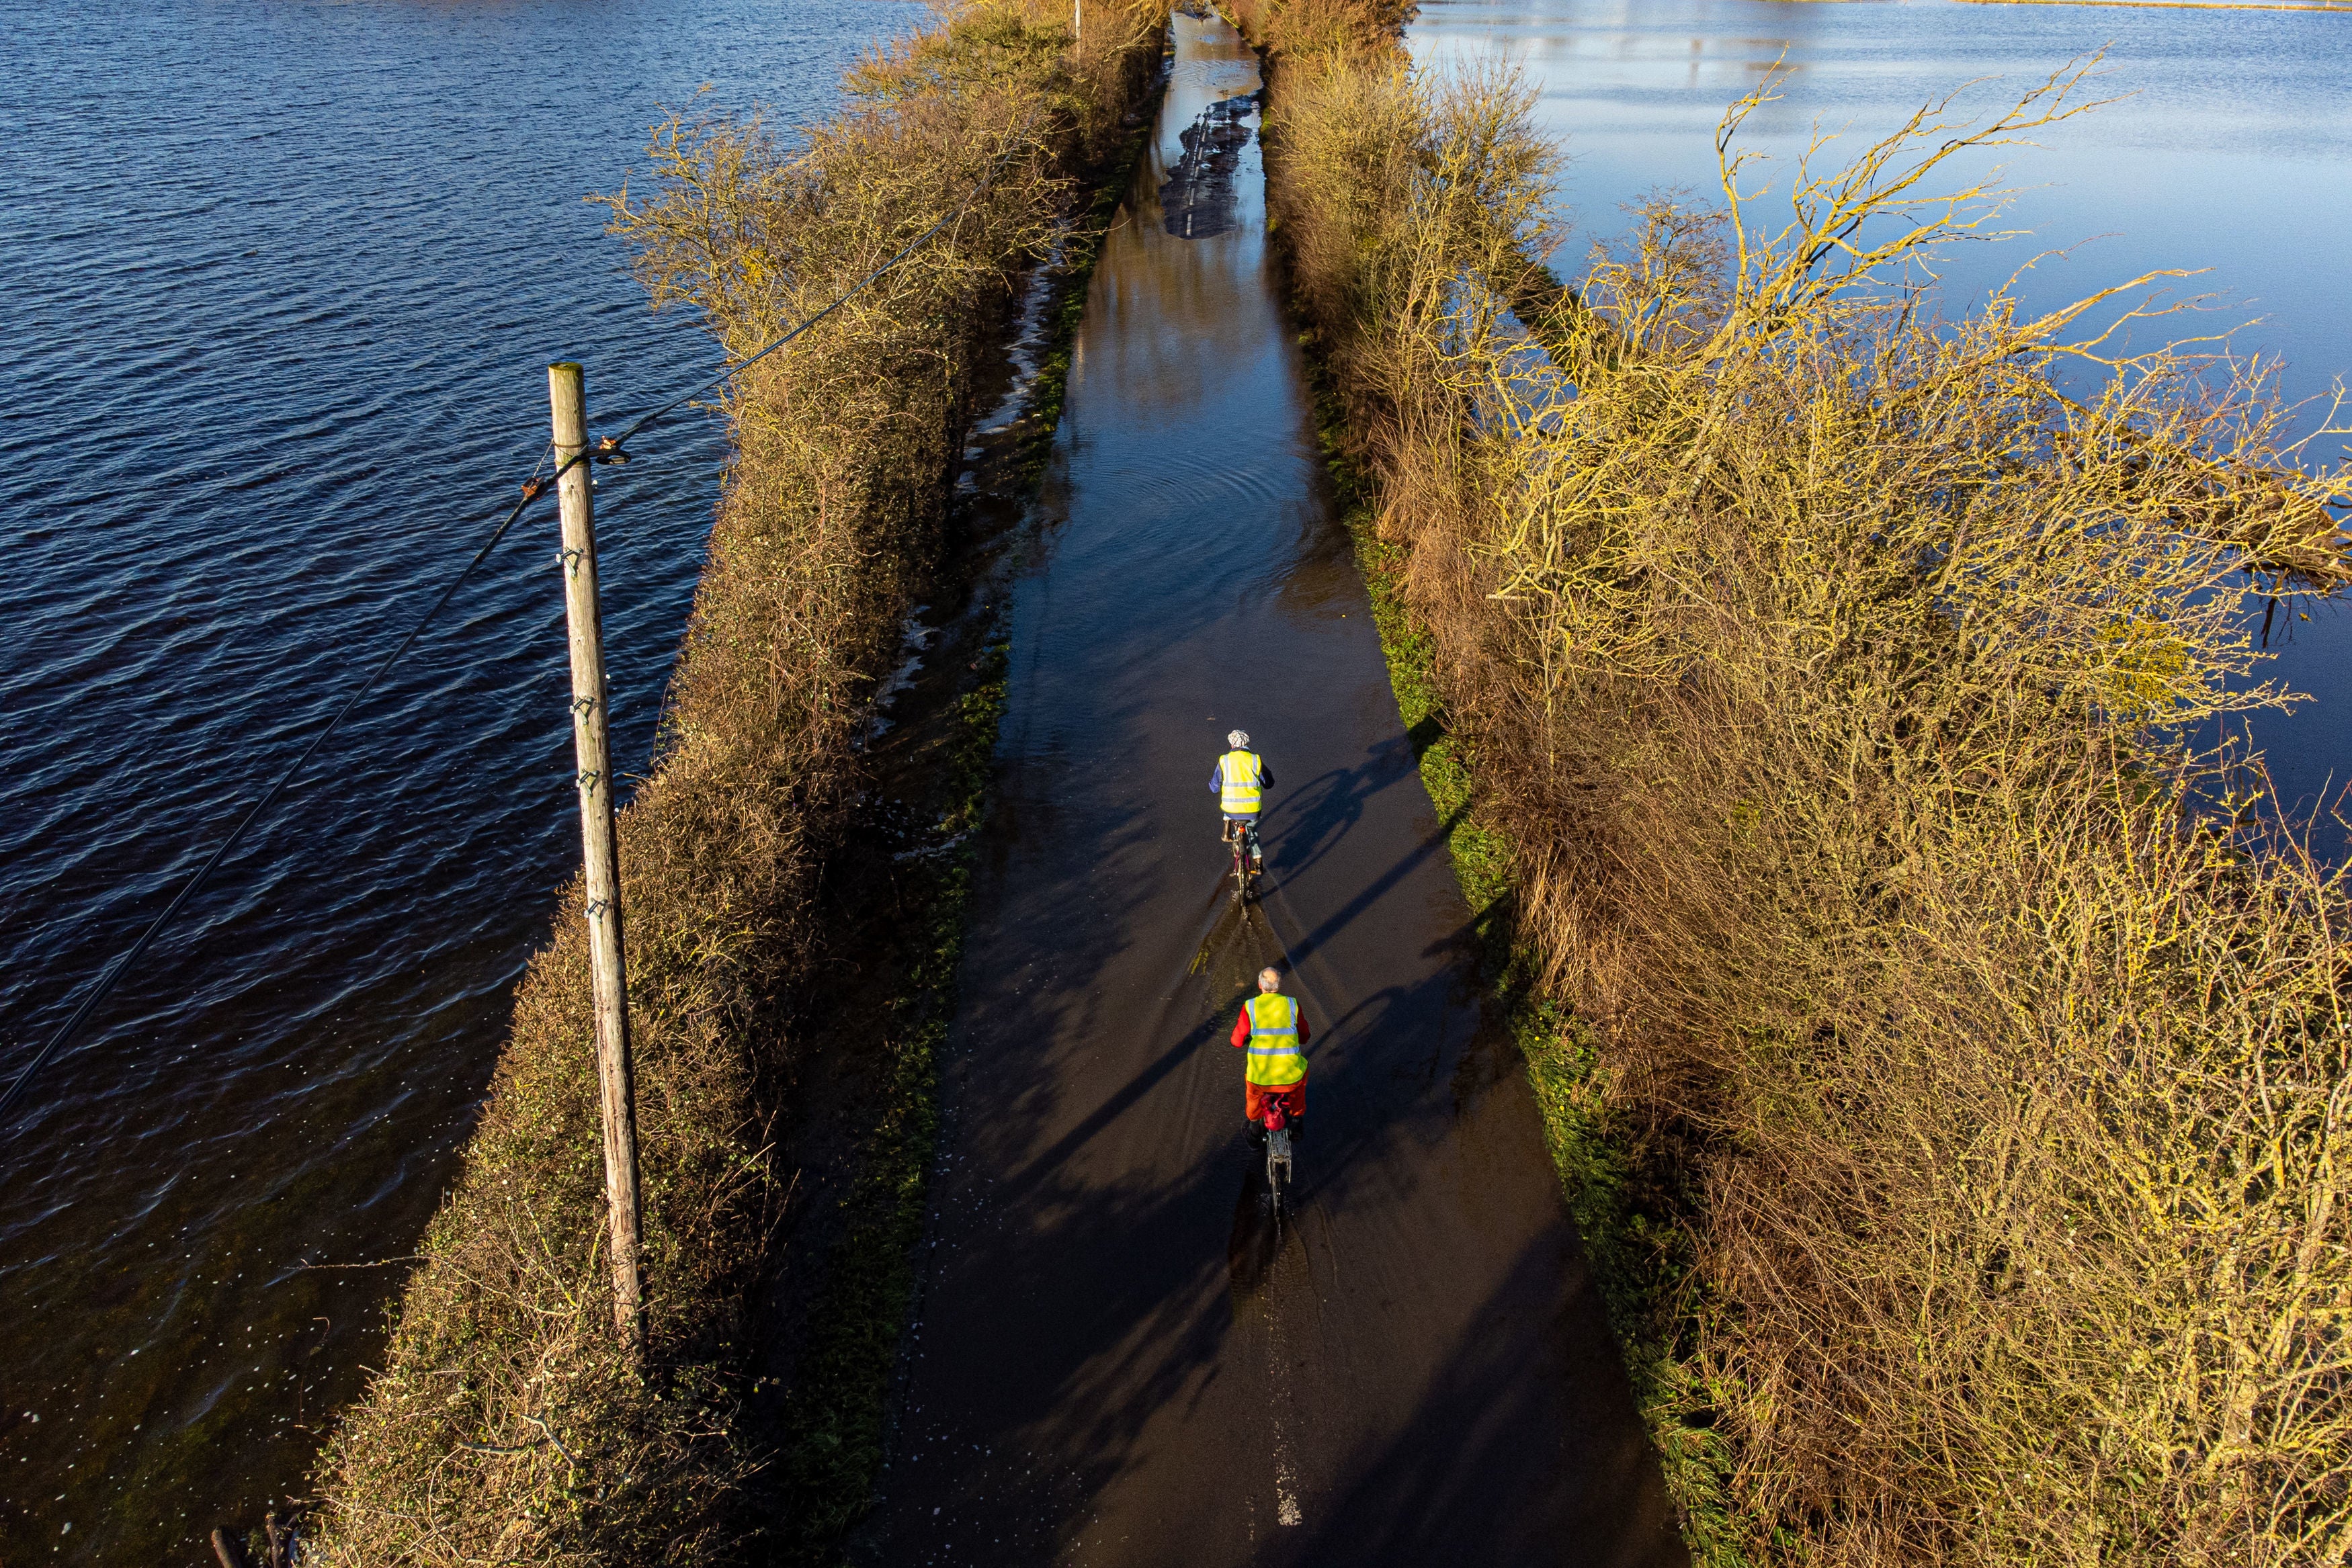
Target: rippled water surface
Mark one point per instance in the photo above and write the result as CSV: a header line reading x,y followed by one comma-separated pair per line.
x,y
2230,150
282,282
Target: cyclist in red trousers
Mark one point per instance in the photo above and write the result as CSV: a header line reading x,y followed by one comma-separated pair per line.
x,y
1273,1031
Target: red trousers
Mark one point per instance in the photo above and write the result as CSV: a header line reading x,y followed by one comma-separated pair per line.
x,y
1292,1096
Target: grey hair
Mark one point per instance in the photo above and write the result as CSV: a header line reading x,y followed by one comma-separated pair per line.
x,y
1269,980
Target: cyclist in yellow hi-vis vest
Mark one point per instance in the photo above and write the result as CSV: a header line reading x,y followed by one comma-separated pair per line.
x,y
1273,1031
1241,781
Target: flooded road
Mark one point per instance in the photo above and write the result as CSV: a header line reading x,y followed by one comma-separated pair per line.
x,y
1118,1358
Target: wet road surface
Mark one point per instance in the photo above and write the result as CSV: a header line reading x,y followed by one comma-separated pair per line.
x,y
1119,1357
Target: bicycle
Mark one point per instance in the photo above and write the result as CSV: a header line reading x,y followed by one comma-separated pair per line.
x,y
1243,835
1278,1176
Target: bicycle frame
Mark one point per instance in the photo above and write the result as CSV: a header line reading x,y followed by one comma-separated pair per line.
x,y
1278,1177
1243,836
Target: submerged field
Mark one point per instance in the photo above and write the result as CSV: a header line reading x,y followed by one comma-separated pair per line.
x,y
1942,1048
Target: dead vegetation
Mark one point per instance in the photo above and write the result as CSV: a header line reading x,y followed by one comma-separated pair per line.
x,y
1957,1074
504,1427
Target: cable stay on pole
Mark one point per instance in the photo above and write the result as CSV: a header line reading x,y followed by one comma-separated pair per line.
x,y
607,450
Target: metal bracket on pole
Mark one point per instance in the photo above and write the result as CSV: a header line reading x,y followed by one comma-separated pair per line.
x,y
567,395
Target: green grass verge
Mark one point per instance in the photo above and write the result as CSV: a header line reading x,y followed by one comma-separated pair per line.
x,y
1622,1208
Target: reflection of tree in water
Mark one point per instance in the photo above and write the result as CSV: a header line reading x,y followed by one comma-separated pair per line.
x,y
1198,199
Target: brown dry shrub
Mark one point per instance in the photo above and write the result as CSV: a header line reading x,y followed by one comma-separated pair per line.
x,y
1833,670
1321,31
505,1426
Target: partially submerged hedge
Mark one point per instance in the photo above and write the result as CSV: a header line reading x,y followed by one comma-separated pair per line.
x,y
1949,1060
504,1426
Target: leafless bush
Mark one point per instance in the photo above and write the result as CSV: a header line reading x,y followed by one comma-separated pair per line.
x,y
504,1427
1835,669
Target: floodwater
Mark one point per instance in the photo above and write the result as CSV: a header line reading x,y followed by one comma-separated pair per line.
x,y
1120,1356
283,280
2230,151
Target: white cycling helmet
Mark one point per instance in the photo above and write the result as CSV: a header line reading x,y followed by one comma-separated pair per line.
x,y
1237,739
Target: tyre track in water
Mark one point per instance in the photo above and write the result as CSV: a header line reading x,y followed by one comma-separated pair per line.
x,y
1118,1358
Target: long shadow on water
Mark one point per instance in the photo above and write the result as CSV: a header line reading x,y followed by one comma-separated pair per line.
x,y
1118,1358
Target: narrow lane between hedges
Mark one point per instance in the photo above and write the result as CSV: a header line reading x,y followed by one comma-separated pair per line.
x,y
1118,1359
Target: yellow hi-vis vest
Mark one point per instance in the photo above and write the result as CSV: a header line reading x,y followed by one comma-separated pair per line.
x,y
1274,1058
1240,773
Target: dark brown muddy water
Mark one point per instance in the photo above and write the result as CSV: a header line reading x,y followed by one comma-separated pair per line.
x,y
1118,1358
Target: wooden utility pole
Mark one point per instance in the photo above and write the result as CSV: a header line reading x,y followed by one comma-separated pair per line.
x,y
592,743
